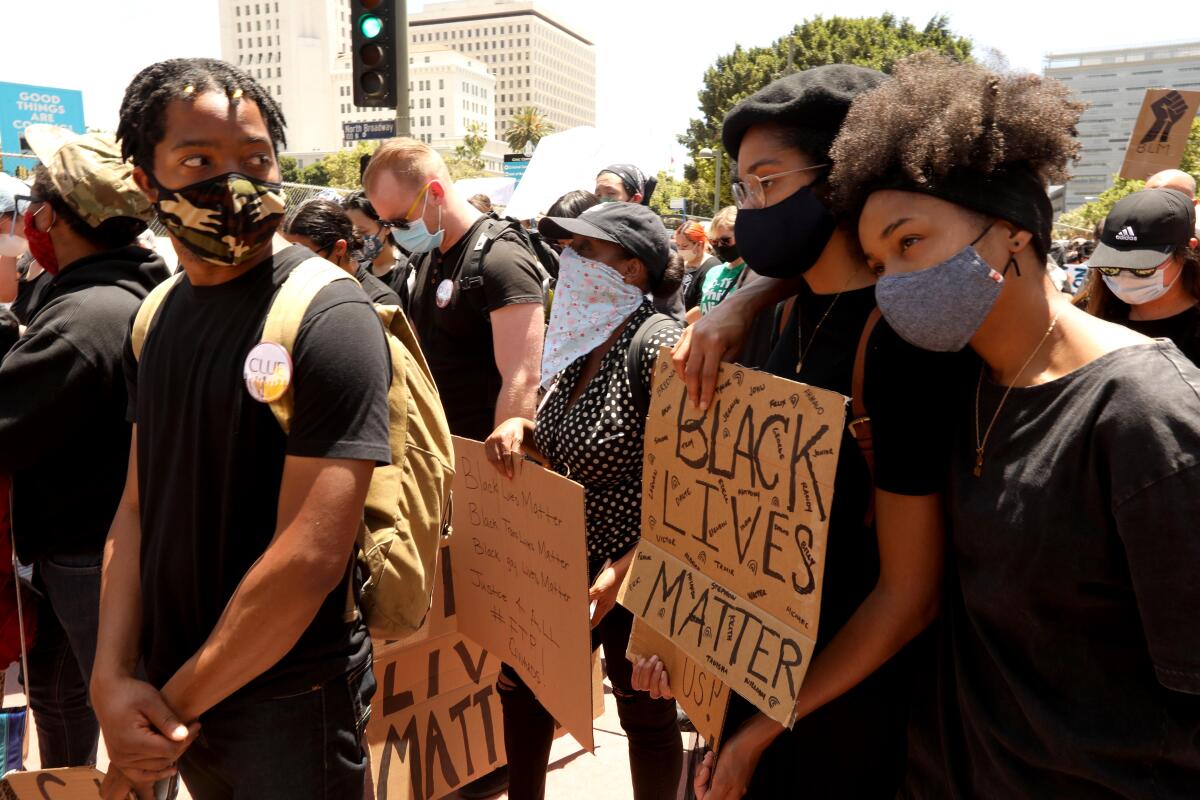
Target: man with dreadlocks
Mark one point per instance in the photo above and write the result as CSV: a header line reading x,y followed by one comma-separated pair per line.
x,y
1070,650
229,561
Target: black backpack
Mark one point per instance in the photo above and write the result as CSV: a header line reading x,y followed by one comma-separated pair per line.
x,y
633,361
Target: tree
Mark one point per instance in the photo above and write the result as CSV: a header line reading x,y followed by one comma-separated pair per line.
x,y
876,42
342,166
467,159
669,188
289,169
1087,215
315,174
528,126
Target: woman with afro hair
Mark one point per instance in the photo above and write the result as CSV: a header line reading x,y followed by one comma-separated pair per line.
x,y
1070,646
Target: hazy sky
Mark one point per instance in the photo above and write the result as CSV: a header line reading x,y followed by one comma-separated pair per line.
x,y
651,55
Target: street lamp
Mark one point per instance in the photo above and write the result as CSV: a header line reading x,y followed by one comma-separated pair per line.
x,y
705,154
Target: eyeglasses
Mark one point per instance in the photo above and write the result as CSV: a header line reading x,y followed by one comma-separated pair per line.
x,y
403,223
750,190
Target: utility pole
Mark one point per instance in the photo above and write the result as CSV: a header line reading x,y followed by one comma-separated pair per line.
x,y
403,117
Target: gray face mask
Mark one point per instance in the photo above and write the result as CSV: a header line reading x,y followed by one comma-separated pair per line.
x,y
942,307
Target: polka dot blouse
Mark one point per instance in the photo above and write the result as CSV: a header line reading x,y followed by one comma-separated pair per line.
x,y
598,440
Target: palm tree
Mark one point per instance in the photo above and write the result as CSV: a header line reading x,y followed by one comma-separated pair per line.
x,y
528,126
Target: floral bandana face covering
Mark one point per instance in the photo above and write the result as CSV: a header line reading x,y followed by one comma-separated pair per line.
x,y
224,220
590,301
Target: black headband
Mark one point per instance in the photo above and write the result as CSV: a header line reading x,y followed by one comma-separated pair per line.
x,y
634,181
1013,193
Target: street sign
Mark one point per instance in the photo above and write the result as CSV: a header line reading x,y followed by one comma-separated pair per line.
x,y
679,203
515,165
375,129
22,105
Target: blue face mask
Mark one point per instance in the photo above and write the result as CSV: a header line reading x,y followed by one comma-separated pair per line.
x,y
942,307
416,238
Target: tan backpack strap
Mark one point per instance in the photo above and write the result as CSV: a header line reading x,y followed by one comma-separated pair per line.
x,y
860,422
287,312
147,311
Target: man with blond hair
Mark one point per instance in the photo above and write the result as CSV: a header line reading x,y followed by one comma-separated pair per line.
x,y
477,299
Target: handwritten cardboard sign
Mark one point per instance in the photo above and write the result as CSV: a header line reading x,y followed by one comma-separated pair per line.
x,y
1160,134
735,516
76,783
703,696
435,721
520,574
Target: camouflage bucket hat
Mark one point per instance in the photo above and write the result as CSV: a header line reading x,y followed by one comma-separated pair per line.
x,y
88,172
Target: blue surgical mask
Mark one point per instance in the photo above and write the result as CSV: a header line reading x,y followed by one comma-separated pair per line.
x,y
942,307
416,238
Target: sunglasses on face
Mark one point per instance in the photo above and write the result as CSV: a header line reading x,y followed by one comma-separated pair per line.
x,y
402,223
1113,272
724,241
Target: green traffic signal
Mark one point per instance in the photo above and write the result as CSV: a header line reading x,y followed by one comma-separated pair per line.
x,y
370,25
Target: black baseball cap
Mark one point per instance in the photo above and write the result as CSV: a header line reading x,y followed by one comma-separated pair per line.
x,y
1144,228
634,227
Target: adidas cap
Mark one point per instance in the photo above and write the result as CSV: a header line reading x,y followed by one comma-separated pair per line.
x,y
1144,228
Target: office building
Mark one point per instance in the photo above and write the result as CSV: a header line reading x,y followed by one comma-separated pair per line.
x,y
1114,83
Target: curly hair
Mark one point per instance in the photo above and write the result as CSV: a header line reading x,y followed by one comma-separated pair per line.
x,y
937,116
143,120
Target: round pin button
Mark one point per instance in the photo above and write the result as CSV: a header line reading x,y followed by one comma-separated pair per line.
x,y
445,293
267,372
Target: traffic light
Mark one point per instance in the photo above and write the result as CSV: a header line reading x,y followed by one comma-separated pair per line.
x,y
372,38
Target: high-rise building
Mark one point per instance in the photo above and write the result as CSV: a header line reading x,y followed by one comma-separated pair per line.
x,y
537,59
1114,83
300,51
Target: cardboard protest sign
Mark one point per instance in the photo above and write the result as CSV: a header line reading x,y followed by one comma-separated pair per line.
x,y
435,721
76,783
735,515
521,581
702,695
1160,133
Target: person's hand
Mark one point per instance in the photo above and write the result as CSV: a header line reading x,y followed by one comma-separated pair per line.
x,y
728,776
650,675
143,735
117,786
506,445
718,336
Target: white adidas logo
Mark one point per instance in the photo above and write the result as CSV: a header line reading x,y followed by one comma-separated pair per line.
x,y
1127,235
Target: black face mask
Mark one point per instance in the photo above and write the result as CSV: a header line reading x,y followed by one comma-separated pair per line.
x,y
727,252
786,239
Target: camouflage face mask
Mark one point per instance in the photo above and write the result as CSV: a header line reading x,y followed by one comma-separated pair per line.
x,y
224,220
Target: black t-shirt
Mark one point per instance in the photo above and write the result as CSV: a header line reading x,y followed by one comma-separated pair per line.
x,y
1183,329
1071,639
210,458
376,290
693,282
854,746
457,339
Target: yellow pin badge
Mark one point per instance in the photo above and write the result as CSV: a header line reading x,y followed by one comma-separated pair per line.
x,y
267,372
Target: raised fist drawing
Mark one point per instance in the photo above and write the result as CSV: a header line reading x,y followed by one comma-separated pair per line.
x,y
1168,110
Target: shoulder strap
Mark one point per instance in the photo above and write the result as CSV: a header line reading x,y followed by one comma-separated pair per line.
x,y
860,421
287,312
633,359
147,312
471,274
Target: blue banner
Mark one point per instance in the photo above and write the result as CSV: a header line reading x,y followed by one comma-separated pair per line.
x,y
22,105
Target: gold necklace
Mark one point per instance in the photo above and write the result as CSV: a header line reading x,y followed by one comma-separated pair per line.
x,y
800,327
980,444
